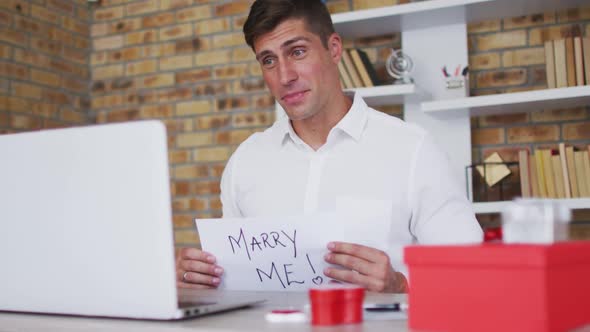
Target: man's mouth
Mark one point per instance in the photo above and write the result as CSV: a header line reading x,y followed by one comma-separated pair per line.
x,y
294,97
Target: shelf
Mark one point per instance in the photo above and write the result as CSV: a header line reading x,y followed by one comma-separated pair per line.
x,y
517,102
386,94
497,207
433,13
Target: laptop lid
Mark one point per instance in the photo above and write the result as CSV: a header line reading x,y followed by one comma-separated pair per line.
x,y
85,222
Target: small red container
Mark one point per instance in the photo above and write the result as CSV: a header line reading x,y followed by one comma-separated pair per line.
x,y
499,287
336,304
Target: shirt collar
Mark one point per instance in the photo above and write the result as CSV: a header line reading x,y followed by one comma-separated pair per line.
x,y
285,131
353,123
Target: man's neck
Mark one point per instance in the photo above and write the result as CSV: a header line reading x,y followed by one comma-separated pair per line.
x,y
315,129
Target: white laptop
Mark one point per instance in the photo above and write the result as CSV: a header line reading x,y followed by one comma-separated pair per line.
x,y
85,224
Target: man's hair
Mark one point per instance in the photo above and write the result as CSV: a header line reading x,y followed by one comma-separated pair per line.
x,y
266,15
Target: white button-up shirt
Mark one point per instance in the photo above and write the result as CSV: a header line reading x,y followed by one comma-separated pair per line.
x,y
372,159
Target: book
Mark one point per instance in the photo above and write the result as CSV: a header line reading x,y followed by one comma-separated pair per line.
x,y
564,171
523,167
369,66
557,176
548,173
587,171
579,60
571,169
560,63
533,177
354,76
586,54
581,173
346,82
550,64
360,68
540,174
570,61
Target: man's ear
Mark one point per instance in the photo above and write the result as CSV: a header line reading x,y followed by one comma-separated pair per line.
x,y
335,47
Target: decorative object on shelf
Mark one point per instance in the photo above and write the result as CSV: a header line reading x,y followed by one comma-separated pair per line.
x,y
458,80
493,182
493,169
535,221
399,66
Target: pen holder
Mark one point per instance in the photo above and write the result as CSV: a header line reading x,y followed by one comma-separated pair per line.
x,y
336,304
457,86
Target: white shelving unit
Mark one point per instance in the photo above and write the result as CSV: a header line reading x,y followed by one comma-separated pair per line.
x,y
497,207
386,94
517,102
434,34
434,13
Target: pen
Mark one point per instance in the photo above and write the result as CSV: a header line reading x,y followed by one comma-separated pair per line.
x,y
465,71
385,307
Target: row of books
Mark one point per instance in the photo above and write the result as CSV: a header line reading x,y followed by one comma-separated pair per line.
x,y
567,62
356,70
555,173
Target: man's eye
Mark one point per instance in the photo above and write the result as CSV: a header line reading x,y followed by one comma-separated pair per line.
x,y
298,52
268,62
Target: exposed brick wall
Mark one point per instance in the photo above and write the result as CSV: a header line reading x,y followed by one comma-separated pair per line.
x,y
44,72
508,56
185,62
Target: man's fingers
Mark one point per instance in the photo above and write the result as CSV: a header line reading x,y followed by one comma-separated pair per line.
x,y
364,252
200,267
199,278
196,254
370,283
350,262
361,265
196,269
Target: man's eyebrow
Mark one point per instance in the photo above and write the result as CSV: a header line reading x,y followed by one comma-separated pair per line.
x,y
294,40
284,45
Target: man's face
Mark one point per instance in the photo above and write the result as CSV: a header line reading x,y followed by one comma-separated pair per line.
x,y
299,71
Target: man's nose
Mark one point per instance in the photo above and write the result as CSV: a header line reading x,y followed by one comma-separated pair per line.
x,y
287,72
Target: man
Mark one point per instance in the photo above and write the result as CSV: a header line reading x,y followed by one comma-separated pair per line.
x,y
333,148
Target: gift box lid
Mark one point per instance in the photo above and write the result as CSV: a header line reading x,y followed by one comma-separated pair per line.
x,y
499,254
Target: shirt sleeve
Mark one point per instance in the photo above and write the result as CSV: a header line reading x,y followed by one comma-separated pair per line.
x,y
441,212
228,191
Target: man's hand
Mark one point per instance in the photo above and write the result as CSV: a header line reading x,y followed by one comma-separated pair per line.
x,y
364,266
196,269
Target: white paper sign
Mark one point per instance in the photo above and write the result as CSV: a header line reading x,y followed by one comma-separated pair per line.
x,y
285,253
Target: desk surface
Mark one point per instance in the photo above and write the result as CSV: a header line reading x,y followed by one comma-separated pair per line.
x,y
246,319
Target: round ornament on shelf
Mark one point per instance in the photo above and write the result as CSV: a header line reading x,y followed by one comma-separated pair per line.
x,y
399,65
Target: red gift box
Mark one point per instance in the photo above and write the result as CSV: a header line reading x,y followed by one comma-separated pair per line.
x,y
499,287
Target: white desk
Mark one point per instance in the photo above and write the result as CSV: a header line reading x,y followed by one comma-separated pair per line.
x,y
247,319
